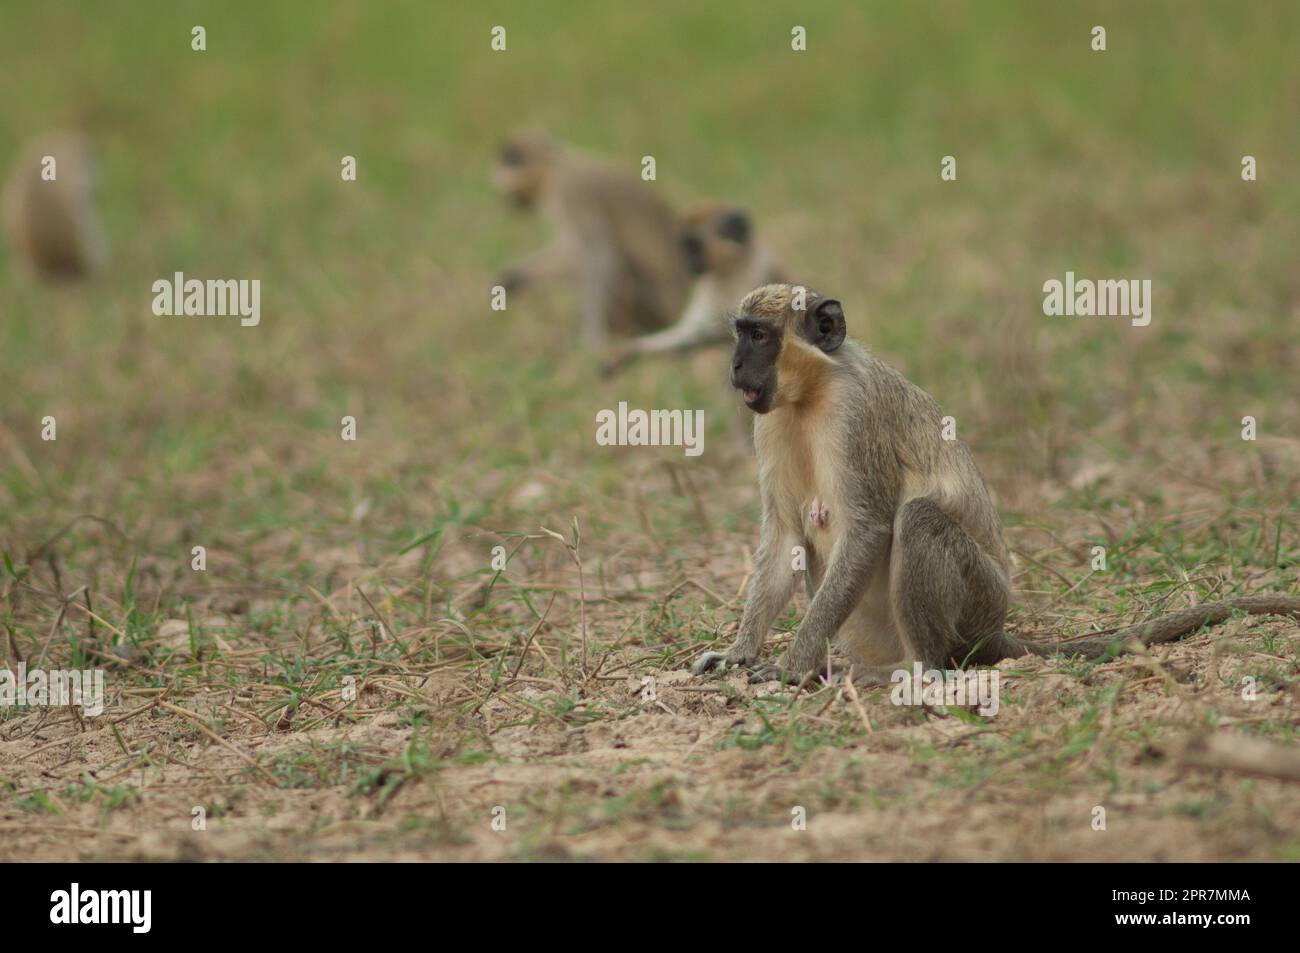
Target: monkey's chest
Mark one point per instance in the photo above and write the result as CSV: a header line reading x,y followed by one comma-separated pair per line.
x,y
803,479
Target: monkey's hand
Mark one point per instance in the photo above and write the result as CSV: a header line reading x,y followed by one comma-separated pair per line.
x,y
512,279
612,366
718,661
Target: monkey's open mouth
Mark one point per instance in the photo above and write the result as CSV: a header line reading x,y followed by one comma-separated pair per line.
x,y
751,396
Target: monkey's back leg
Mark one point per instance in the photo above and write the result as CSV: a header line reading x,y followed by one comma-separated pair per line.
x,y
949,596
643,305
870,635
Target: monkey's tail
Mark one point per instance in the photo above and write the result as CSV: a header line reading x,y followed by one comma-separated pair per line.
x,y
1166,628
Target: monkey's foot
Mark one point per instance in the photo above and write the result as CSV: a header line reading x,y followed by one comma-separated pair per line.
x,y
773,673
873,676
862,676
818,515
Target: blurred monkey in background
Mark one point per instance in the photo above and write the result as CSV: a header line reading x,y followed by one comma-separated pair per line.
x,y
50,213
613,234
727,261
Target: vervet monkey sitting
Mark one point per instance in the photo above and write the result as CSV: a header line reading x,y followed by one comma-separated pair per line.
x,y
613,234
905,560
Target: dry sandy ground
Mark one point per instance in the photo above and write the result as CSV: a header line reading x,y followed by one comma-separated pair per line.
x,y
620,777
483,730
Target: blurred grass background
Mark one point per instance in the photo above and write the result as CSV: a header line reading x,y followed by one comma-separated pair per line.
x,y
225,163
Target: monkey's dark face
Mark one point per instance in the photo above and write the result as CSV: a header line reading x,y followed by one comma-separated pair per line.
x,y
782,354
520,168
754,362
515,176
697,263
714,240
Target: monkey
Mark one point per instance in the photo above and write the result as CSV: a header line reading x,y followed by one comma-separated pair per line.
x,y
50,212
614,234
905,559
726,261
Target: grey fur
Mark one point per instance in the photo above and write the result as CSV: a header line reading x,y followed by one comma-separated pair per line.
x,y
917,568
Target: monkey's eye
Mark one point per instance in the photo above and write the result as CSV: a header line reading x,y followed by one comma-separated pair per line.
x,y
758,335
510,155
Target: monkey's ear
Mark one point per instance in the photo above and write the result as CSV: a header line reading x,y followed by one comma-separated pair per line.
x,y
734,224
824,325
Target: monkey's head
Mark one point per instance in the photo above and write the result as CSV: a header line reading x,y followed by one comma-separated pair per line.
x,y
523,165
785,338
715,239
